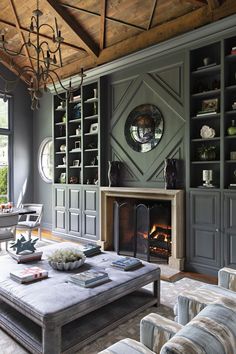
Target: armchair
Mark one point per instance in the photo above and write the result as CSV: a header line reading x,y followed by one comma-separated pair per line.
x,y
8,224
211,331
31,221
190,303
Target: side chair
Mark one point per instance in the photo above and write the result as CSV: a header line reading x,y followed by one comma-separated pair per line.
x,y
32,221
8,222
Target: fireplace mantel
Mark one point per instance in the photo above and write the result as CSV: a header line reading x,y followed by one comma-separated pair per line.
x,y
176,197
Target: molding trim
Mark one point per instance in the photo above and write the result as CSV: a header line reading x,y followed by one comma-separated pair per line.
x,y
190,39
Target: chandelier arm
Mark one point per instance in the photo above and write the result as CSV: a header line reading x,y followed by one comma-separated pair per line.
x,y
11,52
57,93
68,89
47,25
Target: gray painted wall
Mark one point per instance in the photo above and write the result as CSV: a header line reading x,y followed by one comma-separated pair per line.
x,y
22,141
42,129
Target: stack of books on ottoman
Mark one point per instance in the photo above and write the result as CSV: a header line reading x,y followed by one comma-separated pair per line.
x,y
89,278
26,257
127,263
27,275
91,249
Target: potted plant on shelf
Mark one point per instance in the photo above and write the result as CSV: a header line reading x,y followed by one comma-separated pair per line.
x,y
207,152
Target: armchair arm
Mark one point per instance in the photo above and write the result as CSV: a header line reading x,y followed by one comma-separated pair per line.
x,y
227,278
156,330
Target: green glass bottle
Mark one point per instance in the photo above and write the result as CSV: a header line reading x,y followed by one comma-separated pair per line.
x,y
232,129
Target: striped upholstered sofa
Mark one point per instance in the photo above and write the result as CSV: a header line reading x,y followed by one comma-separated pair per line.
x,y
212,331
191,302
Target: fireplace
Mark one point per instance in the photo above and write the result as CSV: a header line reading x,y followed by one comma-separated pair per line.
x,y
176,199
142,228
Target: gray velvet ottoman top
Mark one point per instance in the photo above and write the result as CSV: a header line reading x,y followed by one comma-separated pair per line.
x,y
49,298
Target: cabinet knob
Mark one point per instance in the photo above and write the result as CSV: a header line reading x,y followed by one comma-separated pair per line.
x,y
217,230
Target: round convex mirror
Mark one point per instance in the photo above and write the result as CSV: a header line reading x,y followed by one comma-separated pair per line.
x,y
45,165
144,128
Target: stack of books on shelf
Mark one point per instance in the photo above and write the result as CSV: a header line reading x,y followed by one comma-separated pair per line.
x,y
89,278
28,257
27,275
91,249
127,263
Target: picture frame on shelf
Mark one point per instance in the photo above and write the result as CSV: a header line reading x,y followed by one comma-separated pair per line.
x,y
93,128
63,177
210,105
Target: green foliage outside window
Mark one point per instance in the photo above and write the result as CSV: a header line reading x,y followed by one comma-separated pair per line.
x,y
3,184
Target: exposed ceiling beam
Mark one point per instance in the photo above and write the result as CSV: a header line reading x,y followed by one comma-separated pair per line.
x,y
88,43
102,23
213,4
110,19
26,31
19,32
157,34
226,9
152,13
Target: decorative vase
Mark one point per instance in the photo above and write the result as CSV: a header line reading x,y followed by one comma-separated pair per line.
x,y
207,155
170,173
114,173
232,129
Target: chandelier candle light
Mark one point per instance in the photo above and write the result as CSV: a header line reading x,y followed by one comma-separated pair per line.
x,y
42,73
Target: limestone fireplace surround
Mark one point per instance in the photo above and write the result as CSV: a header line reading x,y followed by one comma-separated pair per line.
x,y
176,197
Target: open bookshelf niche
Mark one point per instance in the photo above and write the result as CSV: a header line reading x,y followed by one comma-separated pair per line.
x,y
230,113
205,121
76,137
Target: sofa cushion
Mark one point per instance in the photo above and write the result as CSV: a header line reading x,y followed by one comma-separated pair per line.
x,y
127,346
212,331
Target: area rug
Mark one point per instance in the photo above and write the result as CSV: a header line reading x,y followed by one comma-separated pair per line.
x,y
169,293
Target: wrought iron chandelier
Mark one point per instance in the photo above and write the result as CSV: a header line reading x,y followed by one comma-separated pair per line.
x,y
42,74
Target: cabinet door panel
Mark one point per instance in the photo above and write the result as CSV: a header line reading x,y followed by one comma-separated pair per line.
x,y
60,197
90,200
74,224
60,220
230,229
90,229
74,198
205,238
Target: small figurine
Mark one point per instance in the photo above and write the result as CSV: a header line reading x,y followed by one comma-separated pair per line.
x,y
24,246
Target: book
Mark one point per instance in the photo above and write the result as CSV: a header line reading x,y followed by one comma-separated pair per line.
x,y
24,258
89,285
91,249
204,113
29,274
127,263
89,277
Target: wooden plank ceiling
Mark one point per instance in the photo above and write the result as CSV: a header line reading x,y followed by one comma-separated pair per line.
x,y
98,31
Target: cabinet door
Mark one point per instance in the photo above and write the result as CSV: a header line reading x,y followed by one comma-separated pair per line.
x,y
204,228
74,210
90,213
230,229
59,213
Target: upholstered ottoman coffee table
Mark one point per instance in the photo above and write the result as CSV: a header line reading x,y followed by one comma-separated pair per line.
x,y
53,316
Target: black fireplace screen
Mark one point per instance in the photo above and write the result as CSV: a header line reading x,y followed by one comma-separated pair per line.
x,y
142,229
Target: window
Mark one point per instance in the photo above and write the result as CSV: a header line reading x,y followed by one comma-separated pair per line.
x,y
5,144
45,160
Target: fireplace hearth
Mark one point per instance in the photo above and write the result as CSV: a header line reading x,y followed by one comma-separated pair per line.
x,y
142,229
139,196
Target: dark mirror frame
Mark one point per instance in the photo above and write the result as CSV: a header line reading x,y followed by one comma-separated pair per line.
x,y
144,128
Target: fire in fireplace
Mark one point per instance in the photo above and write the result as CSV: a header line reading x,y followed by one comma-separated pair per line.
x,y
143,229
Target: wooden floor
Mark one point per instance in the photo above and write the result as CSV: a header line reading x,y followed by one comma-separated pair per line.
x,y
47,235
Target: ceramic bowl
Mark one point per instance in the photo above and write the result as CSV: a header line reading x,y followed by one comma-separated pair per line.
x,y
68,265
